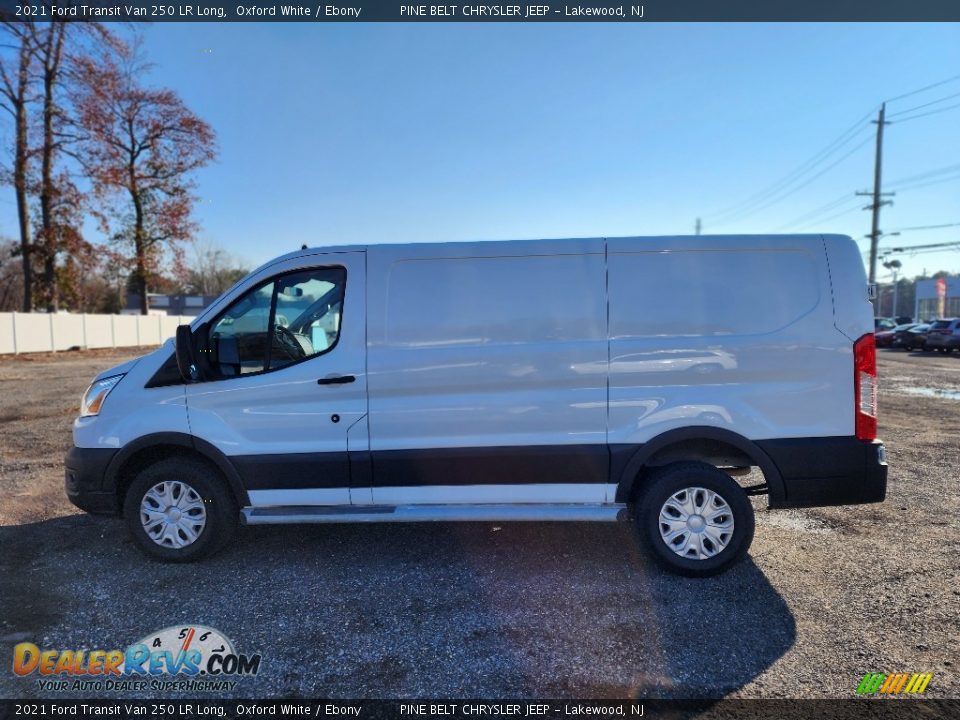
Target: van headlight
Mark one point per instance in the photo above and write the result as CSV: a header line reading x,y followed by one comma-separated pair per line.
x,y
95,395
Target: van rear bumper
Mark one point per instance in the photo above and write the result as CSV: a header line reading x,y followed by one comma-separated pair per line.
x,y
84,471
827,471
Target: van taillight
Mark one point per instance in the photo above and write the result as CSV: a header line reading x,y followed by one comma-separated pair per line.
x,y
865,386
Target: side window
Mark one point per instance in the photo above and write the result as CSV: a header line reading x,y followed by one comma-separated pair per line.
x,y
238,340
288,319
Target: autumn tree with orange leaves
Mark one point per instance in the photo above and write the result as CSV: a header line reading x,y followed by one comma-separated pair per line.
x,y
140,149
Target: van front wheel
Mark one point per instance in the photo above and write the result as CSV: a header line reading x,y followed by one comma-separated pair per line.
x,y
695,518
179,510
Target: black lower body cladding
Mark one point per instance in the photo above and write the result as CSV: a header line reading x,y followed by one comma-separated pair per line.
x,y
810,471
84,471
828,471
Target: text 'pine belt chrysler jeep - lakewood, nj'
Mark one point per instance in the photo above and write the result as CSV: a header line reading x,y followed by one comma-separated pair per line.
x,y
580,379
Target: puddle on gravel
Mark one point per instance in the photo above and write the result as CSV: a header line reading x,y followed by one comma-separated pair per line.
x,y
932,392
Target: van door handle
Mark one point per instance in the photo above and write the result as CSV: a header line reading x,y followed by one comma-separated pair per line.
x,y
336,380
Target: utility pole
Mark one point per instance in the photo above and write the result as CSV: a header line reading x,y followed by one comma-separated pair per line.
x,y
877,194
698,227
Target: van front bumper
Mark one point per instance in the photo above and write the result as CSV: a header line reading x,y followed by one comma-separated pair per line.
x,y
84,470
827,471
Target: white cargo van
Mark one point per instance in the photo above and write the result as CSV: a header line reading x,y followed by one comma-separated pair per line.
x,y
584,379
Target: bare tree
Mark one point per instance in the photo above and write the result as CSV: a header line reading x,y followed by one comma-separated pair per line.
x,y
15,89
212,269
63,51
50,55
11,279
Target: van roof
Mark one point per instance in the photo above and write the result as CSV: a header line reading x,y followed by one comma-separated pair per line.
x,y
715,240
304,252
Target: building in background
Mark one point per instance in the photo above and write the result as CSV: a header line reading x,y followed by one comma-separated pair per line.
x,y
158,304
937,298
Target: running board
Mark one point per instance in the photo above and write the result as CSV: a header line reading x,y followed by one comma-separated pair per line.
x,y
432,513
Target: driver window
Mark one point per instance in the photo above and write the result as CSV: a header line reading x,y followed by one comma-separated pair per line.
x,y
289,319
238,340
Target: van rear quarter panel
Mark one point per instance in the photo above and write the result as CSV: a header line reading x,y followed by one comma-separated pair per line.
x,y
852,310
731,332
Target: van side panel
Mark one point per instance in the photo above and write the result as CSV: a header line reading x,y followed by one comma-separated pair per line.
x,y
488,368
735,333
852,310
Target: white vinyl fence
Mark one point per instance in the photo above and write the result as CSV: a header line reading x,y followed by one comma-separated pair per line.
x,y
50,332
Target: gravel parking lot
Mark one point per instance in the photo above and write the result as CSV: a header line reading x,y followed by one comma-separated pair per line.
x,y
483,610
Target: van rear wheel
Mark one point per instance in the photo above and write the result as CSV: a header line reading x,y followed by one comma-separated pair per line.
x,y
696,520
179,509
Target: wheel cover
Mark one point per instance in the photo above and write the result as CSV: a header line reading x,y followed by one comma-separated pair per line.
x,y
696,523
173,514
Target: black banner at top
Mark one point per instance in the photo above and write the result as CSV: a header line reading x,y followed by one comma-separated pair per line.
x,y
482,709
488,11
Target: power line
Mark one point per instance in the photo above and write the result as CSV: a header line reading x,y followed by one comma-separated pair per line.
x,y
910,182
924,89
921,249
822,221
787,186
927,173
927,227
845,198
844,138
791,191
927,104
928,184
932,112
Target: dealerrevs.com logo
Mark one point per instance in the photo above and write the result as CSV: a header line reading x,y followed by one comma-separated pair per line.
x,y
181,658
894,683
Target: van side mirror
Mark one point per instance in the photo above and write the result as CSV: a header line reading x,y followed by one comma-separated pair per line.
x,y
186,361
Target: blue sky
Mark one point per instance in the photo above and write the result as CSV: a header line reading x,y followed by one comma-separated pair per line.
x,y
340,133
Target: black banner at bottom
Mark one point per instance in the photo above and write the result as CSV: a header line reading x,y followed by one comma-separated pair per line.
x,y
879,708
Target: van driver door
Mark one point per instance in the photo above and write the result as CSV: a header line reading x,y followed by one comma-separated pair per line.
x,y
285,384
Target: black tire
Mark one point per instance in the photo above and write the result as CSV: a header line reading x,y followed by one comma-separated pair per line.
x,y
220,508
669,480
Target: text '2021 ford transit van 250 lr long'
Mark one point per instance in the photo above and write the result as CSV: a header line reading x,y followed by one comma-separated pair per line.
x,y
586,379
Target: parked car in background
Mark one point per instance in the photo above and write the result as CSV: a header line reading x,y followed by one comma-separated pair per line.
x,y
904,320
913,338
882,323
944,335
884,338
888,338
